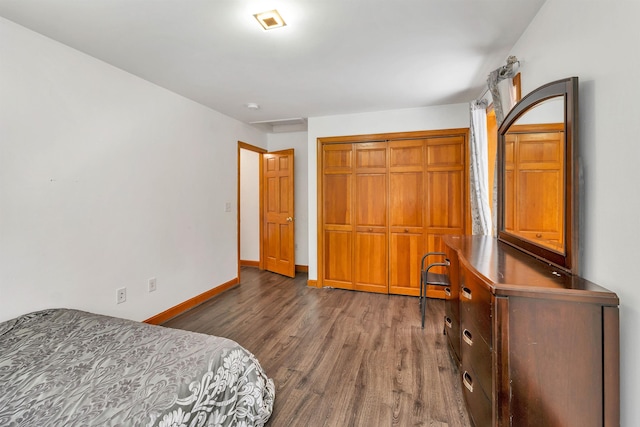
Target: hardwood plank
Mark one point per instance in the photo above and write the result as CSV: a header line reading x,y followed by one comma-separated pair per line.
x,y
337,357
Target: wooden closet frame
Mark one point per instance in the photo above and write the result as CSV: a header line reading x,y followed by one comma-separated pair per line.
x,y
378,137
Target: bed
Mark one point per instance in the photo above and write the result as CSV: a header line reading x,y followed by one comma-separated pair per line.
x,y
64,367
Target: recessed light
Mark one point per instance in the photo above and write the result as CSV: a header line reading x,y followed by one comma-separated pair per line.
x,y
270,20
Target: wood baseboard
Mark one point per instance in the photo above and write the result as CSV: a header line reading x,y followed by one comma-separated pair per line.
x,y
302,268
312,283
190,303
246,263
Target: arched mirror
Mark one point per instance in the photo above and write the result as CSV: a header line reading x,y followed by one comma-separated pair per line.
x,y
537,175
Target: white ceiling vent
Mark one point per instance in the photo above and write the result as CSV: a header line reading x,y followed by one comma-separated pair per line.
x,y
295,124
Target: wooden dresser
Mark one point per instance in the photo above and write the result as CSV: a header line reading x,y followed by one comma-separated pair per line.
x,y
536,347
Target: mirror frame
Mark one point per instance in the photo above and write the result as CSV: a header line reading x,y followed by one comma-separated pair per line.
x,y
567,260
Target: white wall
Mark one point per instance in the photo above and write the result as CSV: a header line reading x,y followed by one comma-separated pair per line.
x,y
249,205
297,141
598,42
107,180
415,119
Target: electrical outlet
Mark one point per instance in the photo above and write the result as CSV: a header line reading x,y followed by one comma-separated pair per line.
x,y
121,295
152,284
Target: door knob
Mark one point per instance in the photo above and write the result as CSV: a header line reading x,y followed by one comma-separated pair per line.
x,y
289,219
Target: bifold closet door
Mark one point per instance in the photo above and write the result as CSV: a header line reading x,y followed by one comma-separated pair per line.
x,y
371,248
338,227
384,205
406,215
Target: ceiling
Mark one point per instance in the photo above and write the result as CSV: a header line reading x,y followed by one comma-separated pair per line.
x,y
333,57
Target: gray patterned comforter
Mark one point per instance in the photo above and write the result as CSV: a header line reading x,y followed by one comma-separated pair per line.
x,y
71,368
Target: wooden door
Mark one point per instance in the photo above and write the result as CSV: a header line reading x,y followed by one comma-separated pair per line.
x,y
446,195
279,239
406,215
370,237
338,227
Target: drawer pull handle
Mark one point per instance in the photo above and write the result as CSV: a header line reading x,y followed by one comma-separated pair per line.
x,y
467,381
467,337
448,322
447,291
466,292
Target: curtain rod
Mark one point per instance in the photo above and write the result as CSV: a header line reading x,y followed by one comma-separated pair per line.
x,y
483,93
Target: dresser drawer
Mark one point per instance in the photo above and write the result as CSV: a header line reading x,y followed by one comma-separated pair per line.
x,y
478,403
452,330
452,301
476,354
475,305
452,325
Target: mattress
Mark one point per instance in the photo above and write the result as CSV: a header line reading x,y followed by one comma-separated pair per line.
x,y
62,367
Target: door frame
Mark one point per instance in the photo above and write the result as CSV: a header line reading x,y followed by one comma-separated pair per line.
x,y
260,151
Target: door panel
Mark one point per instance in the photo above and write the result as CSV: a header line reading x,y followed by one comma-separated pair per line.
x,y
371,262
444,201
337,199
406,155
337,158
272,239
445,153
283,199
371,200
406,251
406,199
371,156
338,266
278,191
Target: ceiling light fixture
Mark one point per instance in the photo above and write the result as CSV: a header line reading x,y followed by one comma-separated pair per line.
x,y
253,106
270,20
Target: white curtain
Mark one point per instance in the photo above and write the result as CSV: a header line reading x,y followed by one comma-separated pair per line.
x,y
481,218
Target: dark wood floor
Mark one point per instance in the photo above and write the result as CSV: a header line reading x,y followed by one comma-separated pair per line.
x,y
339,358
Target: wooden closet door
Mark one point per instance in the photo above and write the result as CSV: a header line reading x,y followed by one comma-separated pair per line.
x,y
370,237
338,227
406,215
446,202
